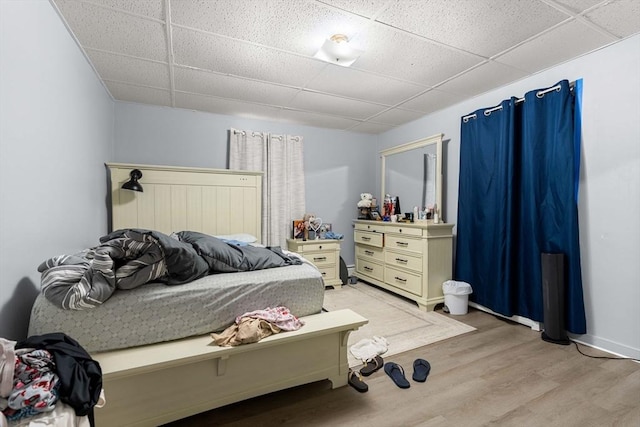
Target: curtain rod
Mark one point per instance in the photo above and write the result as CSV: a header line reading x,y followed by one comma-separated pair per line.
x,y
539,94
242,132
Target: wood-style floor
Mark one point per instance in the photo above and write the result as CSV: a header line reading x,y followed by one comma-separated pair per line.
x,y
502,374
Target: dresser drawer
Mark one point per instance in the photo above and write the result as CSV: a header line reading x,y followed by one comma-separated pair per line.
x,y
406,243
403,260
404,280
369,252
318,258
373,227
399,229
368,238
328,272
370,269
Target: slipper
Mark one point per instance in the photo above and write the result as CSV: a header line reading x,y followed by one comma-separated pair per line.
x,y
372,366
396,373
355,381
421,369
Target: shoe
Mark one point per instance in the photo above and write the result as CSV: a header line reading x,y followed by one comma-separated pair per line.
x,y
396,373
421,369
355,381
372,366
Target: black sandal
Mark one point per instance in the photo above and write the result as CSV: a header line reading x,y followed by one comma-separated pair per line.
x,y
372,366
355,381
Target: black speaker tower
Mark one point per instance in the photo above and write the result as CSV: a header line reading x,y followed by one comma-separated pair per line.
x,y
553,292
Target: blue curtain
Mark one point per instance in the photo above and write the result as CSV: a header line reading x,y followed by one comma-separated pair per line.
x,y
518,199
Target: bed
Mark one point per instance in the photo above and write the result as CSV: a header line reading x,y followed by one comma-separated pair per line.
x,y
141,351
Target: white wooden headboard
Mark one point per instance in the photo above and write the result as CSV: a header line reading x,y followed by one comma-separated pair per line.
x,y
212,201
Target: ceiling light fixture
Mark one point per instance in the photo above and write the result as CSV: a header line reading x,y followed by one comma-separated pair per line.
x,y
337,50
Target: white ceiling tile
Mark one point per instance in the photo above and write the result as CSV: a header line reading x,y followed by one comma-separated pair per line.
x,y
105,29
322,103
397,116
483,27
139,94
224,106
577,6
482,79
433,100
293,25
370,127
410,58
151,8
357,84
228,56
207,83
609,15
130,70
556,46
365,8
318,120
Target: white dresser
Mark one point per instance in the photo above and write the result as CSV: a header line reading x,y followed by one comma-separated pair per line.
x,y
410,259
324,254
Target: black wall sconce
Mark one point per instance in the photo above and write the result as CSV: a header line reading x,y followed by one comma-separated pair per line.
x,y
133,183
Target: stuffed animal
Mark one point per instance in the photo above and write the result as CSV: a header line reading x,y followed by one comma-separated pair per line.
x,y
365,200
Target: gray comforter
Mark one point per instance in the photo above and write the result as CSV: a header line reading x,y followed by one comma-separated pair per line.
x,y
129,258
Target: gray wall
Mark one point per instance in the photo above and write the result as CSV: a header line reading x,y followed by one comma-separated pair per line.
x,y
609,204
338,165
56,131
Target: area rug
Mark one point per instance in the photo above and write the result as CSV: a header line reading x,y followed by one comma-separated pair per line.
x,y
398,320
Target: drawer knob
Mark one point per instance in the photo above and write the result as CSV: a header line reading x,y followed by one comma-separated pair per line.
x,y
400,279
402,260
402,243
365,238
368,268
368,252
322,258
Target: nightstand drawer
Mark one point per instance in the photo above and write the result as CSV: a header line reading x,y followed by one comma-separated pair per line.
x,y
318,258
405,243
403,260
370,269
318,245
328,272
403,280
368,238
371,252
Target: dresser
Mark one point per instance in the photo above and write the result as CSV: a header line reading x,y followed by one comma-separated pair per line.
x,y
324,254
409,259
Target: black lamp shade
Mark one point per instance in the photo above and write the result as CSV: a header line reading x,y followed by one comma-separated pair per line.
x,y
133,183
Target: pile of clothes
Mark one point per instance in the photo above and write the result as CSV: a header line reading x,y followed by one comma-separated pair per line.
x,y
39,372
252,326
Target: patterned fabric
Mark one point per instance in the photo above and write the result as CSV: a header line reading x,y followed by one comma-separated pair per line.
x,y
35,385
279,316
87,279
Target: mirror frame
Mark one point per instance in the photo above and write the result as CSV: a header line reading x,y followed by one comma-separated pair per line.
x,y
433,139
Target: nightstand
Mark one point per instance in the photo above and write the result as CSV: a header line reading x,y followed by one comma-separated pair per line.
x,y
324,254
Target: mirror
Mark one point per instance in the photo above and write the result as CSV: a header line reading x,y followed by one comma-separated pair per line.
x,y
413,172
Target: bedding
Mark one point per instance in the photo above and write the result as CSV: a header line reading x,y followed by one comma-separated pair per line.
x,y
129,258
156,312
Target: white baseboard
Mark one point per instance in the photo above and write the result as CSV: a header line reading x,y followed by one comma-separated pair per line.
x,y
536,326
612,347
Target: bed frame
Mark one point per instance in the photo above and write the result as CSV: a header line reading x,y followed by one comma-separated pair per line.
x,y
159,383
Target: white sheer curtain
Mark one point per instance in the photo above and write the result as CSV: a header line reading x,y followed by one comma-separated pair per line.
x,y
280,157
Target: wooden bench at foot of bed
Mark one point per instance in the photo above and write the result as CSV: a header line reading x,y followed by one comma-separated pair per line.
x,y
159,383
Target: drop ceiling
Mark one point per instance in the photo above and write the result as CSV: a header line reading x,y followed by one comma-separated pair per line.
x,y
255,58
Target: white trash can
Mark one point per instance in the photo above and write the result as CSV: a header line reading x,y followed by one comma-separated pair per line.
x,y
456,296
